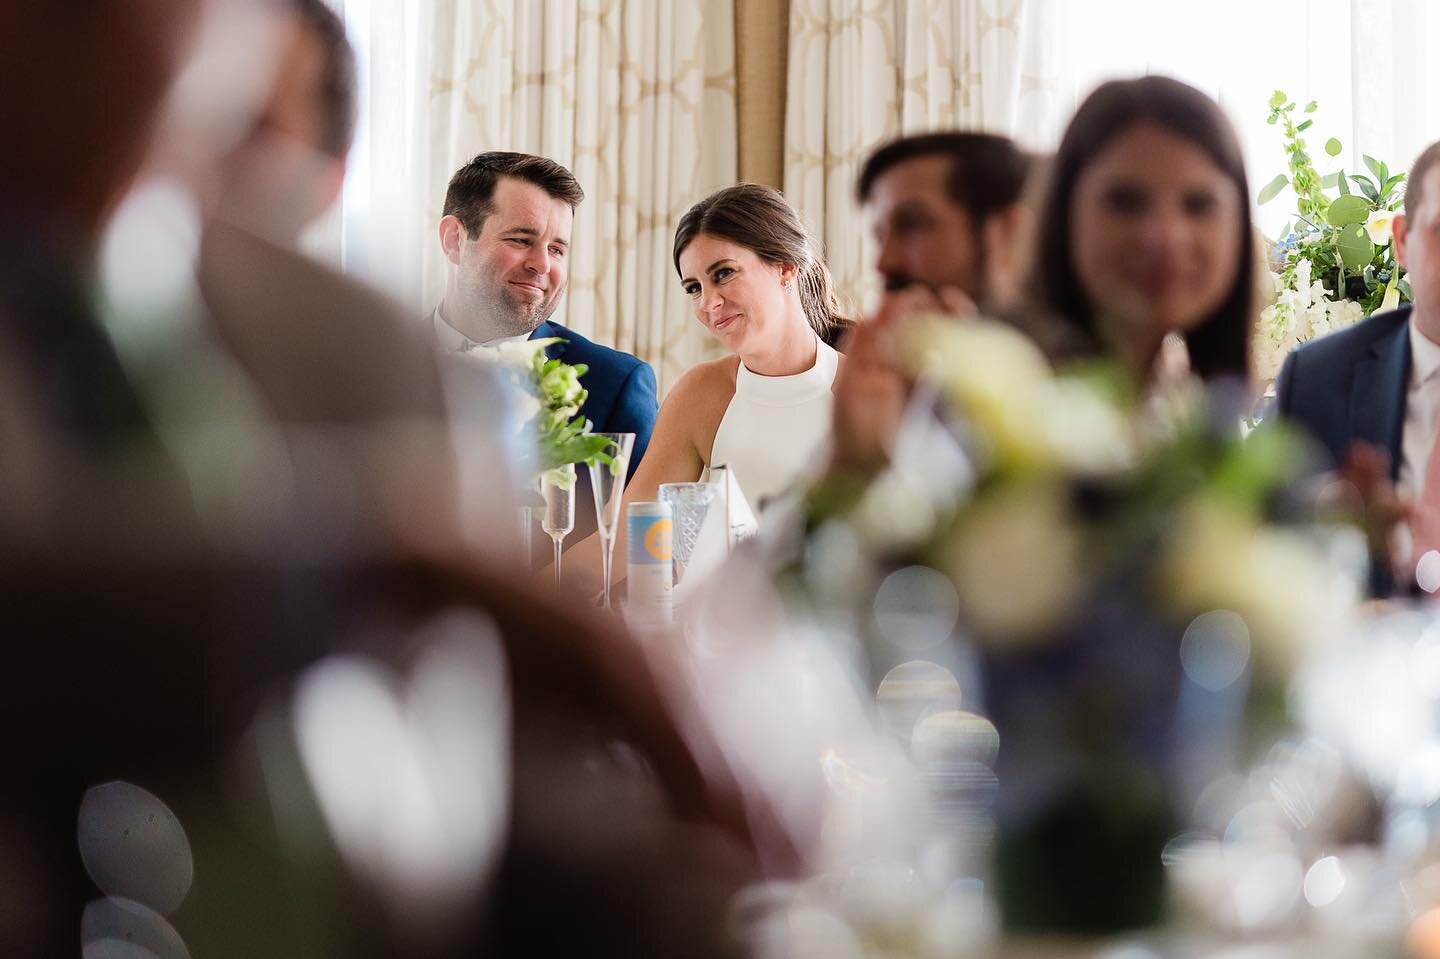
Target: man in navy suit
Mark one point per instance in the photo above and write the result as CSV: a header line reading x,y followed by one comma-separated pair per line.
x,y
1372,391
506,232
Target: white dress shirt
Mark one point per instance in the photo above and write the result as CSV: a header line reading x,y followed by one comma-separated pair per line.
x,y
1422,417
450,340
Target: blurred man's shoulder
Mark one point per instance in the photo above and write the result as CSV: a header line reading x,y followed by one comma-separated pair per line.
x,y
321,344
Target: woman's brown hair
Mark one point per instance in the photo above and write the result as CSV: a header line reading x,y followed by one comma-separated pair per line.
x,y
761,220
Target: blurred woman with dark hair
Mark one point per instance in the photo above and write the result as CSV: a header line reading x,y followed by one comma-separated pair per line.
x,y
1145,229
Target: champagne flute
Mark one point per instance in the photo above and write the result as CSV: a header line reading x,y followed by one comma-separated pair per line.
x,y
607,482
559,517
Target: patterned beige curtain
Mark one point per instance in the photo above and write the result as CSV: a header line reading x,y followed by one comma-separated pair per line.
x,y
637,97
864,71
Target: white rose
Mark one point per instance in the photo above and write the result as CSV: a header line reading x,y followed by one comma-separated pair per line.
x,y
1219,558
1087,434
1016,558
993,373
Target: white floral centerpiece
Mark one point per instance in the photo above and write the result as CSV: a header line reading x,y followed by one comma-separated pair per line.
x,y
1333,263
1116,576
547,397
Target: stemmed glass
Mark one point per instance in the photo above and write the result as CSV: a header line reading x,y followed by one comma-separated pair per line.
x,y
607,482
559,517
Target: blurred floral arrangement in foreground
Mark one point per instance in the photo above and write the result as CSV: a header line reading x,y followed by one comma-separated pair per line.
x,y
1083,618
547,399
1073,479
1333,263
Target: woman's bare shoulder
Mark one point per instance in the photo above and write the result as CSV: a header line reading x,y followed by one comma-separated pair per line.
x,y
711,380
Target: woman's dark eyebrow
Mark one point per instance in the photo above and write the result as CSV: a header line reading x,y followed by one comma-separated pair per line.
x,y
709,269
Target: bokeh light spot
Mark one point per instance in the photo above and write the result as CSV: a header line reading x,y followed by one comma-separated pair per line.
x,y
1427,571
1215,649
916,608
955,735
131,922
912,690
1324,882
134,847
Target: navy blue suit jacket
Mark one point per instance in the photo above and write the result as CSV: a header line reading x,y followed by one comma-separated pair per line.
x,y
1350,386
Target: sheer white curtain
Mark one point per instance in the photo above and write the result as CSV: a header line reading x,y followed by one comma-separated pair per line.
x,y
1369,63
862,71
636,97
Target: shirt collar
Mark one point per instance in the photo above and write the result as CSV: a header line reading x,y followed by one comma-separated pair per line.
x,y
1424,357
450,340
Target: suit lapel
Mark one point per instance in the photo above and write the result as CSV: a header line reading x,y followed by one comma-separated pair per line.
x,y
556,351
1377,394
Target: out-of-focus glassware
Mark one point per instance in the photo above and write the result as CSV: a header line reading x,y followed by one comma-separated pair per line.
x,y
689,505
559,517
607,482
530,519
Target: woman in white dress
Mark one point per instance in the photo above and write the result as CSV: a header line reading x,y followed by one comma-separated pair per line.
x,y
759,286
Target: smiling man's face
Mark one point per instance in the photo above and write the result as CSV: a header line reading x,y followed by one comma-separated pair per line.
x,y
508,278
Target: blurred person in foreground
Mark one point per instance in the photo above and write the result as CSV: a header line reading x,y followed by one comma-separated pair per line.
x,y
1143,236
1145,232
1371,395
159,603
289,166
947,214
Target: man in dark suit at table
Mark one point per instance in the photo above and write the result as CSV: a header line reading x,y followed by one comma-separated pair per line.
x,y
1372,392
506,232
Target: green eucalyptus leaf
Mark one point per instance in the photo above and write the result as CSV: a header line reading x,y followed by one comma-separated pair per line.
x,y
1367,187
1333,147
1273,188
1347,210
1355,246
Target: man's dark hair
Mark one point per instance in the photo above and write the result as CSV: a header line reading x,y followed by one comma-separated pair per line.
x,y
472,188
1429,157
987,171
337,79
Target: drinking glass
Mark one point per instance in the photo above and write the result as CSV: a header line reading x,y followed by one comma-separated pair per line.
x,y
559,517
530,518
607,482
689,504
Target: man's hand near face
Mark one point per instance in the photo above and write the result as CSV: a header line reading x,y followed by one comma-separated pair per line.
x,y
871,389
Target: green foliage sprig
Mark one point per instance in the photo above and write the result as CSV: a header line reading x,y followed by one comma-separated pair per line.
x,y
551,397
1345,238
